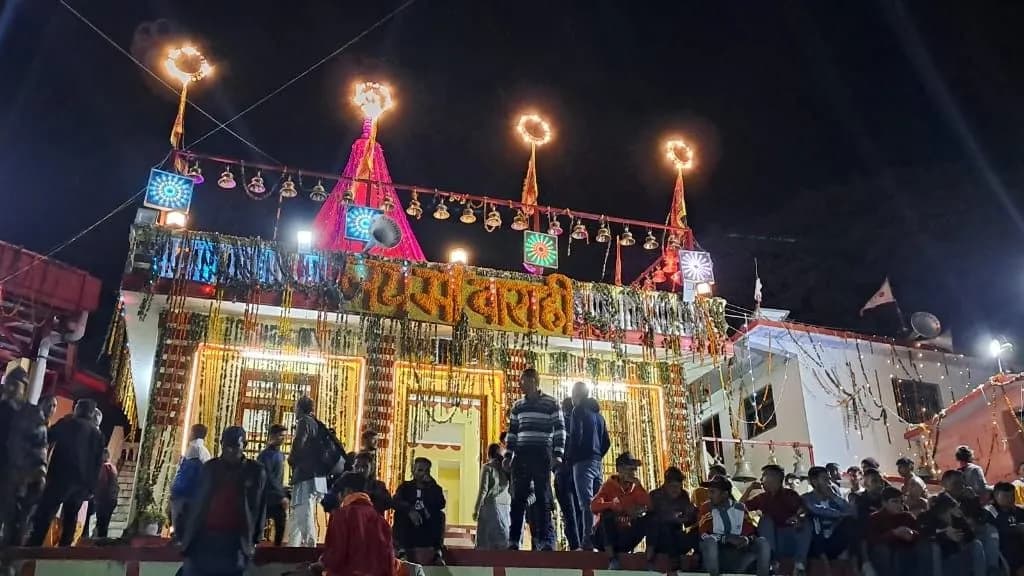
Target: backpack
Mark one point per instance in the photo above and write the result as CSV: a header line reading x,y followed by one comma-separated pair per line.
x,y
329,451
186,480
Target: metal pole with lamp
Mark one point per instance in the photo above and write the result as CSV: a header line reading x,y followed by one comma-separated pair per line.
x,y
996,348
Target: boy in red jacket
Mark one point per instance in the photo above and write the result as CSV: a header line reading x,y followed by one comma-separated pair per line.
x,y
622,505
358,541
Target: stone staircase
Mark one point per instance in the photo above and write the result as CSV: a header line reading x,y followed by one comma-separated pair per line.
x,y
126,482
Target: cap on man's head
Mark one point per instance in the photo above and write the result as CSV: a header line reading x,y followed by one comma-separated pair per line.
x,y
719,482
626,459
233,435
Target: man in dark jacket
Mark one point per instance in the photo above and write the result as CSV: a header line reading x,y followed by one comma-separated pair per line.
x,y
671,515
74,469
419,513
565,488
588,443
24,452
277,497
226,517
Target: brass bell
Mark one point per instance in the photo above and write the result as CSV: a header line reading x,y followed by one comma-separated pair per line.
x,y
256,185
744,472
414,209
626,238
493,220
388,204
799,466
227,179
555,228
604,234
579,231
318,193
659,276
519,222
772,458
196,174
650,243
350,194
467,217
441,212
673,242
288,189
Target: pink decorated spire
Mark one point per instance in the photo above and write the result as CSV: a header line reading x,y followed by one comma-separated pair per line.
x,y
366,161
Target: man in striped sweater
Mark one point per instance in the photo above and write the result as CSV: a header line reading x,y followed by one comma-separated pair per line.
x,y
534,447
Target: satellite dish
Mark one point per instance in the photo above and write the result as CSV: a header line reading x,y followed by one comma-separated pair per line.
x,y
384,232
925,325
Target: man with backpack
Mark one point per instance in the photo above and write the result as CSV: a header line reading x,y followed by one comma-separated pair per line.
x,y
316,454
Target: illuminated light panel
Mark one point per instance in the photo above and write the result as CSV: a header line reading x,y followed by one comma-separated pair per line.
x,y
696,266
359,221
168,191
540,249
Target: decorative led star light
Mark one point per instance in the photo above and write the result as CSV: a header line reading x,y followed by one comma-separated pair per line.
x,y
187,64
679,153
534,130
358,222
696,266
540,249
372,98
168,191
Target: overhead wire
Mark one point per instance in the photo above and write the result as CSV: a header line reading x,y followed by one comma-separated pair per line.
x,y
311,68
157,77
84,231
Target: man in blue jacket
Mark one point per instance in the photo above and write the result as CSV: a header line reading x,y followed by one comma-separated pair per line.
x,y
588,443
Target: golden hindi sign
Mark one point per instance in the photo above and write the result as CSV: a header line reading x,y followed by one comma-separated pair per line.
x,y
441,295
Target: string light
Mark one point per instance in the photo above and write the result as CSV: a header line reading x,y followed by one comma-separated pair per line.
x,y
679,153
534,130
186,64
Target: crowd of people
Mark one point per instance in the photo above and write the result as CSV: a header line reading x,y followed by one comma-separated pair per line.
x,y
222,507
63,468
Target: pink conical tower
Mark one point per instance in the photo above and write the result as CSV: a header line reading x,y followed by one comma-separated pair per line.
x,y
366,161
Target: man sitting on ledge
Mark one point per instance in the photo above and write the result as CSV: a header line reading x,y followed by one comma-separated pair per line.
x,y
622,505
727,538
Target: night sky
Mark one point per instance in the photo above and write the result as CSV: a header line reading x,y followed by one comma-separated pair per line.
x,y
838,142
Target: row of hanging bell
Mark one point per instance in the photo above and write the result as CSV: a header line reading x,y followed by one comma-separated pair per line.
x,y
257,186
744,471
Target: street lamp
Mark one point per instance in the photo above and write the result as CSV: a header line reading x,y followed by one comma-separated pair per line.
x,y
996,348
458,256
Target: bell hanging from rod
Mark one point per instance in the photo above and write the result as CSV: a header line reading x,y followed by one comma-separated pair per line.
x,y
626,238
196,173
650,243
673,241
288,188
744,471
256,185
579,231
467,217
388,204
519,222
227,179
604,234
415,209
555,227
772,458
799,466
349,196
493,220
441,212
318,193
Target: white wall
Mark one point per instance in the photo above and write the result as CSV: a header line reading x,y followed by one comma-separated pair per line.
x,y
815,377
